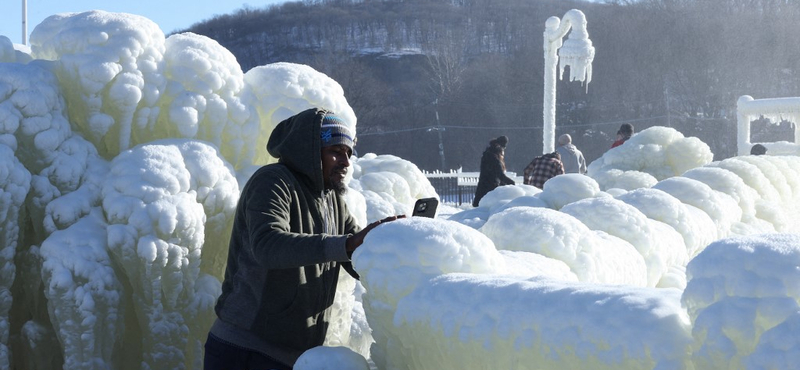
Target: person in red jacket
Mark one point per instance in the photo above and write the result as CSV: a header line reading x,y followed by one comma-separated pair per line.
x,y
623,134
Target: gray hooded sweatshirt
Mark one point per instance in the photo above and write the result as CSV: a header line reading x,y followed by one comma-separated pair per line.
x,y
286,249
572,158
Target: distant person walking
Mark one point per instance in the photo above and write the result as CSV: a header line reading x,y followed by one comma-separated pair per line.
x,y
758,149
571,157
493,169
623,134
543,168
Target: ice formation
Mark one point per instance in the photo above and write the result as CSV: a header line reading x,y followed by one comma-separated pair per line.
x,y
124,152
728,309
649,156
114,244
775,110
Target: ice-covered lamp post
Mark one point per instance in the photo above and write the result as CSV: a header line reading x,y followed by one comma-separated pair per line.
x,y
576,52
24,22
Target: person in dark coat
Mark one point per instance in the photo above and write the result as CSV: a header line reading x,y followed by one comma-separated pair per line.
x,y
292,233
623,134
758,149
493,169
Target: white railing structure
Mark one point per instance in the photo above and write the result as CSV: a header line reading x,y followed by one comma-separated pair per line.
x,y
775,110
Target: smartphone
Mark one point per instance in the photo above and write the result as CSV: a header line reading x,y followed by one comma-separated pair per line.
x,y
425,207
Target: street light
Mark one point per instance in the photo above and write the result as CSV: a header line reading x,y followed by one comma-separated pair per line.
x,y
577,52
439,130
24,22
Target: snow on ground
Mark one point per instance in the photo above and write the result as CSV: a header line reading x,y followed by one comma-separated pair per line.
x,y
124,155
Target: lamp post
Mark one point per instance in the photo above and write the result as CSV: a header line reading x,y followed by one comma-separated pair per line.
x,y
576,52
439,130
24,22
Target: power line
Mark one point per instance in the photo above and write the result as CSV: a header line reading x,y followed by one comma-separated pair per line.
x,y
431,128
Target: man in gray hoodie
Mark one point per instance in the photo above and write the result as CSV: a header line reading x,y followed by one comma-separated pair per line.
x,y
292,232
571,157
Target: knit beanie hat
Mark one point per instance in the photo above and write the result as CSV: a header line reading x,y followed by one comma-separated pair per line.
x,y
502,140
758,149
335,131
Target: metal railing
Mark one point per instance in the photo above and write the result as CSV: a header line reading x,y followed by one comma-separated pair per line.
x,y
453,191
456,187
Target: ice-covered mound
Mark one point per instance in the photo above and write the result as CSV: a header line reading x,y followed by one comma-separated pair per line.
x,y
169,206
112,63
668,223
398,256
742,296
331,358
472,321
49,180
84,296
282,90
659,244
440,296
656,153
205,98
558,192
565,189
14,186
9,53
389,184
692,223
593,256
116,80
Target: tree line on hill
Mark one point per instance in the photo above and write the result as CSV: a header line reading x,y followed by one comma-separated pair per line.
x,y
432,81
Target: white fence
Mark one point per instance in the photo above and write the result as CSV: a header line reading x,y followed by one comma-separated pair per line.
x,y
776,109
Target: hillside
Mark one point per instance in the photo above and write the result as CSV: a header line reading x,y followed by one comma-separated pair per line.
x,y
477,66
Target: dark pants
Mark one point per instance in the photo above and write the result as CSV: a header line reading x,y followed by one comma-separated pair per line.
x,y
223,356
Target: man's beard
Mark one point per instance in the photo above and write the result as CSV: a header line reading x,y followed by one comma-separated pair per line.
x,y
338,186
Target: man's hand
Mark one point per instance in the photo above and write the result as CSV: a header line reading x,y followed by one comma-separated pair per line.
x,y
355,241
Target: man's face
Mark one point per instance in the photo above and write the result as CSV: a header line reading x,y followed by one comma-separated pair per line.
x,y
335,161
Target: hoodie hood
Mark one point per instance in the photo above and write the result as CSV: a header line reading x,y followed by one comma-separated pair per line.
x,y
569,148
296,143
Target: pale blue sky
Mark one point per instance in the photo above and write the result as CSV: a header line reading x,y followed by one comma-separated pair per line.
x,y
170,15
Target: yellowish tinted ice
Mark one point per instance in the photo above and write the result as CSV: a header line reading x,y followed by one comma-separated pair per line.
x,y
281,90
162,202
742,296
592,256
112,63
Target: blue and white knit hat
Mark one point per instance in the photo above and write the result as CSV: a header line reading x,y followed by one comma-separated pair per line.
x,y
335,131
